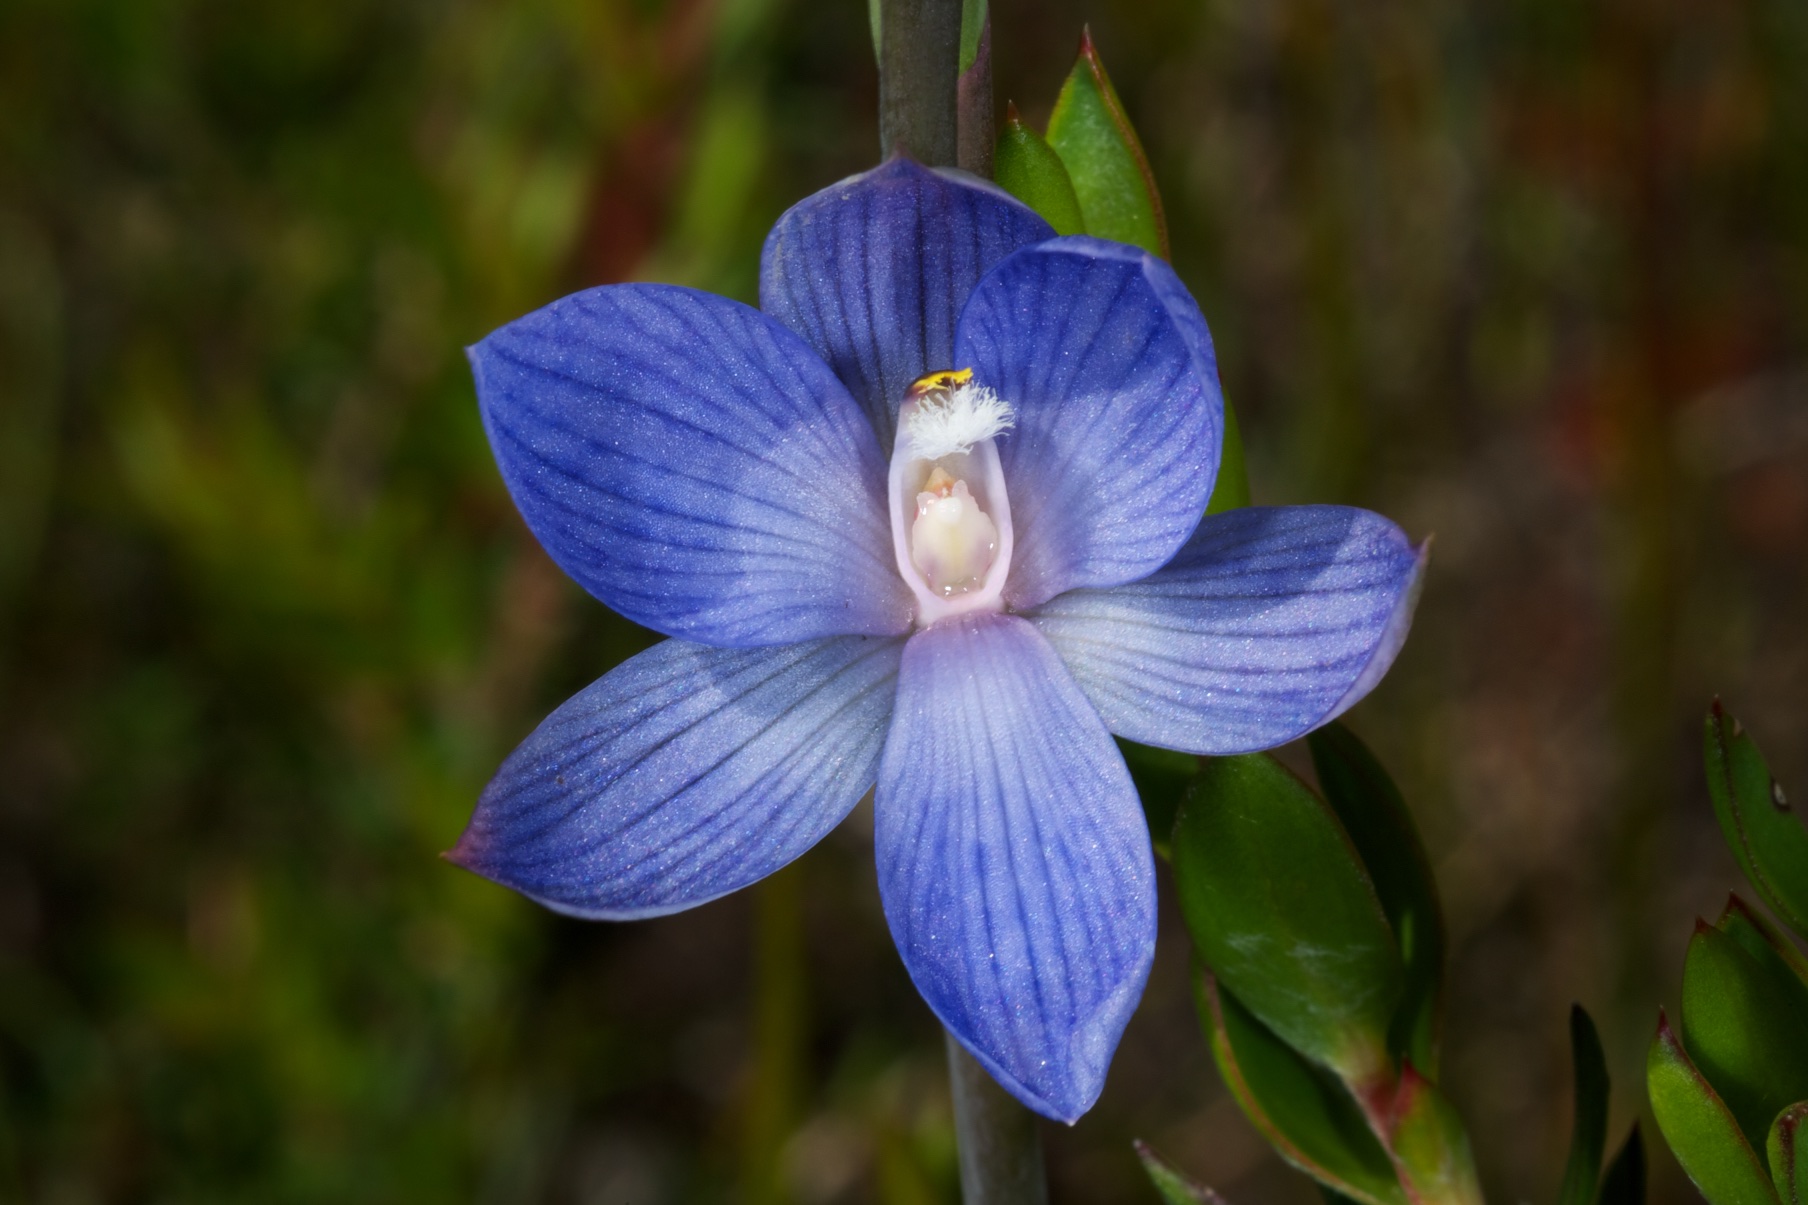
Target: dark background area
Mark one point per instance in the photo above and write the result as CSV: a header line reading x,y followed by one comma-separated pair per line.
x,y
1531,276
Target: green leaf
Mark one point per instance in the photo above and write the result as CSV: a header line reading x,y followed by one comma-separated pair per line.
x,y
1700,1129
973,22
1765,834
1028,168
1284,914
1091,132
1380,826
1231,490
1429,1144
1759,938
1624,1183
1175,1188
1306,1115
1162,777
1746,1028
1788,1166
1588,1138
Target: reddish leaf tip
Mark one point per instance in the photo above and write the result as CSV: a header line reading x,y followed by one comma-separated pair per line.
x,y
1011,117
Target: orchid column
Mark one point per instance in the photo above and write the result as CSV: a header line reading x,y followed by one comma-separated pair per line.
x,y
937,109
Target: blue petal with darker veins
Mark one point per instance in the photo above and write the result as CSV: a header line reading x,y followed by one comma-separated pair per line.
x,y
1014,861
1270,622
1119,418
873,272
685,773
694,465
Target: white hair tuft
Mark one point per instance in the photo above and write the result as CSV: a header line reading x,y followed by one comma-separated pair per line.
x,y
945,422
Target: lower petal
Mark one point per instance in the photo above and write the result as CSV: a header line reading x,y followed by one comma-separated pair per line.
x,y
1014,862
1270,622
684,774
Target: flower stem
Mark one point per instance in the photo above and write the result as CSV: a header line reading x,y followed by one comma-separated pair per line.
x,y
919,59
1000,1148
925,106
780,1031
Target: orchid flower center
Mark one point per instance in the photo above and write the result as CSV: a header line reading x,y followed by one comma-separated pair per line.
x,y
951,519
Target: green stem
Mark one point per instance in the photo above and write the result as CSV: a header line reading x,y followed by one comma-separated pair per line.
x,y
1000,1146
919,61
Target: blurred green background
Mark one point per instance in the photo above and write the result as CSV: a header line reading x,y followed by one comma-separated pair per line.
x,y
1531,276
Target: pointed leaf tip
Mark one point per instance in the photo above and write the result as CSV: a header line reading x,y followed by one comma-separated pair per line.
x,y
1111,175
1624,1183
1581,1174
1700,1130
1175,1188
1745,1025
1757,936
1025,166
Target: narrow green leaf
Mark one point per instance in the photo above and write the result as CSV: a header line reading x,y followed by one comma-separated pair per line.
x,y
1174,1187
1162,777
1746,1028
973,21
1306,1115
1380,826
1759,938
1284,914
1430,1147
1700,1129
1028,168
875,13
1231,490
1091,132
1588,1138
1788,1161
1765,834
1624,1183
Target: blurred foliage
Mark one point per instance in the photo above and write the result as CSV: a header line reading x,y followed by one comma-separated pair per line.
x,y
1533,275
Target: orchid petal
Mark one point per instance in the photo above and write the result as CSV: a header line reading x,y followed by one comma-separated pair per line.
x,y
1119,418
1014,862
873,272
1270,622
683,774
694,465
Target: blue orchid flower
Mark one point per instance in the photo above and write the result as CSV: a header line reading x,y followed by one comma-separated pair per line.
x,y
929,519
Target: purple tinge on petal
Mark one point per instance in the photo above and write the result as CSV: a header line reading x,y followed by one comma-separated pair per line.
x,y
694,465
1119,418
1014,861
873,272
685,773
1270,622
